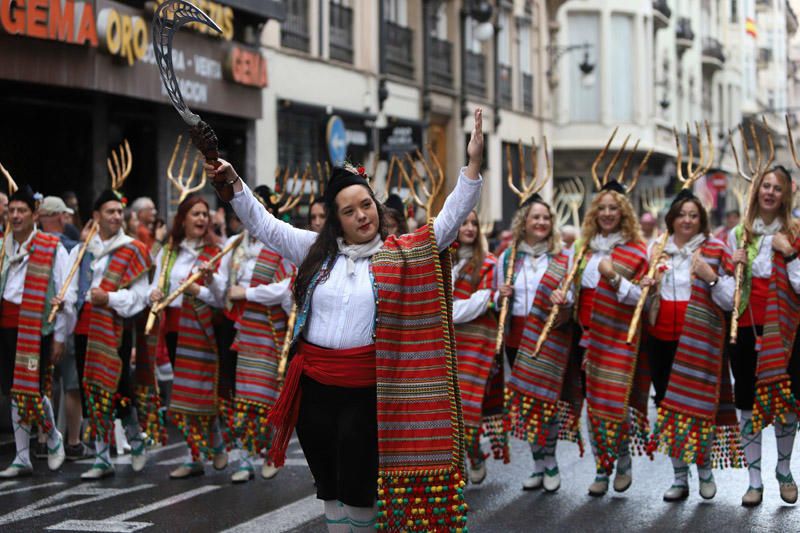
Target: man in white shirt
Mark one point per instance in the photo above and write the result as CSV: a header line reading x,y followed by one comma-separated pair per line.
x,y
34,266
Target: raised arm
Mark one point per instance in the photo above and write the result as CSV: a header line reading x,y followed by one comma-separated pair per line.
x,y
290,242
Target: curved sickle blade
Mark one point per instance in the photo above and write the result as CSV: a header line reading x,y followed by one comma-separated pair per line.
x,y
164,28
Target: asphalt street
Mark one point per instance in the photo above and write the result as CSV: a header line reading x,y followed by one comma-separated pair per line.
x,y
150,501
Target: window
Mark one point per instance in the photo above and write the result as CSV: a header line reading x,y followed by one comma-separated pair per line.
x,y
584,98
622,68
734,11
294,32
396,11
526,77
341,31
440,22
504,39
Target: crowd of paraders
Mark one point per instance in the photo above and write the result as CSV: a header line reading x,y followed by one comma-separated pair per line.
x,y
404,347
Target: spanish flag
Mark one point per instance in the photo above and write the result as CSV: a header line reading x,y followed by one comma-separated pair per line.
x,y
750,28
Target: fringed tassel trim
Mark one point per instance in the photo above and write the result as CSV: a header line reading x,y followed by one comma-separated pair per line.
x,y
101,406
774,400
606,435
196,431
570,425
496,427
727,451
682,436
151,415
247,421
426,502
529,417
31,410
639,432
472,442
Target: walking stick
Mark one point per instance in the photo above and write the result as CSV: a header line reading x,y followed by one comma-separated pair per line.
x,y
160,306
693,174
757,169
287,343
162,279
73,269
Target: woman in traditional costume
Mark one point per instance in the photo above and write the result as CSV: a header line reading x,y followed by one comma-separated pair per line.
x,y
544,392
187,329
684,346
615,259
476,328
766,378
372,386
255,284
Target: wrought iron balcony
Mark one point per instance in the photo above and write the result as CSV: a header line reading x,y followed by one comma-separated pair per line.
x,y
399,50
712,51
661,14
475,74
440,62
341,33
504,76
684,36
294,30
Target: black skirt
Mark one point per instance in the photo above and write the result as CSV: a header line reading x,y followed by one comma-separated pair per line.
x,y
338,430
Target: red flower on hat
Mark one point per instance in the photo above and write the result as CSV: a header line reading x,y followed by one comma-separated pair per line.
x,y
361,170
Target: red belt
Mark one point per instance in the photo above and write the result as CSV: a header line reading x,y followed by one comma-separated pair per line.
x,y
82,327
515,331
353,367
9,315
172,319
669,324
585,304
756,309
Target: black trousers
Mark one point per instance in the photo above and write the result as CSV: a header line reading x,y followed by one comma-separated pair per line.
x,y
338,431
125,387
8,356
660,355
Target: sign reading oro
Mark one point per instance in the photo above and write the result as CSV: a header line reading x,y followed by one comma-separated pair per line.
x,y
121,33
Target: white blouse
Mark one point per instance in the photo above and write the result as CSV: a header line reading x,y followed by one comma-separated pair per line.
x,y
627,292
270,294
15,283
527,282
184,266
468,309
343,309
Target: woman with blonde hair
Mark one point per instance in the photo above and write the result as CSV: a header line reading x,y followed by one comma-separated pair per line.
x,y
766,376
615,259
543,392
480,373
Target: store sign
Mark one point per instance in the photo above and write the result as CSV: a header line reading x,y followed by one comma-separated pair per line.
x,y
400,138
245,66
122,35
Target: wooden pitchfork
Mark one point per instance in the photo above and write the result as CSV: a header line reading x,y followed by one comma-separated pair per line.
x,y
122,165
12,188
296,193
653,200
185,183
431,184
529,186
705,158
572,193
757,167
320,179
620,178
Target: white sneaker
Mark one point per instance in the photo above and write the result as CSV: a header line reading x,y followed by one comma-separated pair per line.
x,y
220,460
477,473
16,470
552,479
269,471
243,475
676,493
57,455
533,482
708,488
123,446
623,480
139,460
100,471
599,487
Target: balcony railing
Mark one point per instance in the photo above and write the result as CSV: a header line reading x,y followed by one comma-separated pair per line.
x,y
399,50
683,29
475,74
440,62
341,36
713,48
504,85
764,57
527,92
294,31
661,14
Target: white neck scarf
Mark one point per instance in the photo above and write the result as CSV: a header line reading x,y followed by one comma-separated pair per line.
x,y
98,249
357,251
534,251
23,250
760,228
688,249
604,245
465,252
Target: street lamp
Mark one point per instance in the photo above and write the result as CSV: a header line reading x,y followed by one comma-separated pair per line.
x,y
557,52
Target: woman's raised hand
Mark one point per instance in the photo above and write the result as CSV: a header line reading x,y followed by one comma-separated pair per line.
x,y
475,147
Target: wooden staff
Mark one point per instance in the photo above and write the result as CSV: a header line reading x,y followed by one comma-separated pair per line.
x,y
287,343
160,306
551,318
637,313
162,279
73,269
12,188
501,330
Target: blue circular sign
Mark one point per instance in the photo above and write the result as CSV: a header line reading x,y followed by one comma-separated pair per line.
x,y
337,140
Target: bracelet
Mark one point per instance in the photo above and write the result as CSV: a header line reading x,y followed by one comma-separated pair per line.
x,y
221,184
790,258
615,281
712,284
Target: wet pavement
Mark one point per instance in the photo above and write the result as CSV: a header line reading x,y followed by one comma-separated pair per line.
x,y
149,501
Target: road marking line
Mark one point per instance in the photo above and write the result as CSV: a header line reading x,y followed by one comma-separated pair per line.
x,y
93,493
6,484
119,523
288,517
32,487
126,459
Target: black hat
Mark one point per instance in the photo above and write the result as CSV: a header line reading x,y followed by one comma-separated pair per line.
x,y
108,195
267,197
395,202
25,194
533,198
341,178
613,185
683,195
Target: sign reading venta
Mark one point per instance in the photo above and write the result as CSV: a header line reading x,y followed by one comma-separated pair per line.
x,y
121,32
